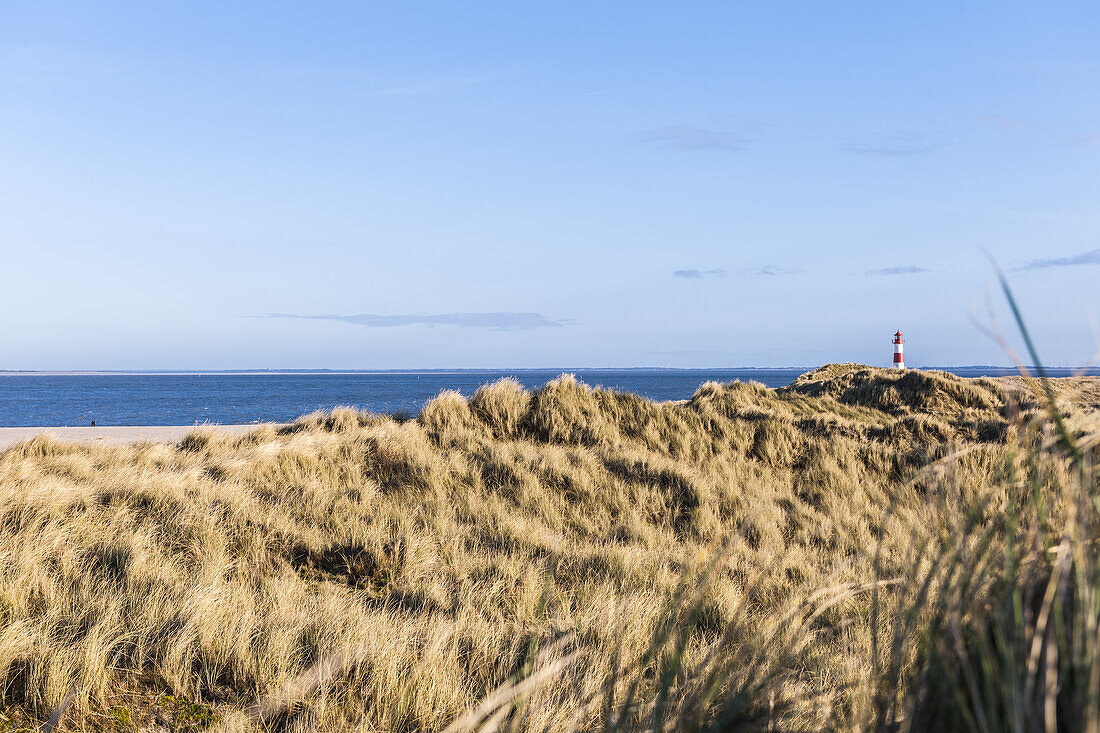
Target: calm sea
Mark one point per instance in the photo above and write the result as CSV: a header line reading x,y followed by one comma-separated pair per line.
x,y
30,400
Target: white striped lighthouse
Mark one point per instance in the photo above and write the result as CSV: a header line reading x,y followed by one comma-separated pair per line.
x,y
899,355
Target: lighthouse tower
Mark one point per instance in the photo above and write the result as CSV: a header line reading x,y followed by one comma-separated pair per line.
x,y
899,356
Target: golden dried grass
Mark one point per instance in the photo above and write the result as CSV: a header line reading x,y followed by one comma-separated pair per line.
x,y
357,572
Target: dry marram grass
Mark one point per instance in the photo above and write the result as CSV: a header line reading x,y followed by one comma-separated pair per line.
x,y
359,572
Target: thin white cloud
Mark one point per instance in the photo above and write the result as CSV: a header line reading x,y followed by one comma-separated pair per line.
x,y
1084,140
898,270
501,321
774,271
692,274
1092,257
898,145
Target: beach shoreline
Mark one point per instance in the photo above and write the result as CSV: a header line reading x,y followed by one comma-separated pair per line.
x,y
117,434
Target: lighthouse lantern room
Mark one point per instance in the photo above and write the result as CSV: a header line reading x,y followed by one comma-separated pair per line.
x,y
899,356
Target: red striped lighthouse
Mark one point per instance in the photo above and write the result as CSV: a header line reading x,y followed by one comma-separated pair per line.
x,y
899,355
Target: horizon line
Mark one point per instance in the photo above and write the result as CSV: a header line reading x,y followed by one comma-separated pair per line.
x,y
454,370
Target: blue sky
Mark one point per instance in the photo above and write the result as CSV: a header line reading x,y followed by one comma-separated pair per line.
x,y
360,185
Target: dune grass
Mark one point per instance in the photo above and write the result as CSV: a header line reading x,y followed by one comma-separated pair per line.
x,y
837,554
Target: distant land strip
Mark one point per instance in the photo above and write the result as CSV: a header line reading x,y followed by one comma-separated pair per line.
x,y
118,434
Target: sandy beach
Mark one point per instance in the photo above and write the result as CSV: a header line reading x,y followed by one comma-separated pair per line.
x,y
114,434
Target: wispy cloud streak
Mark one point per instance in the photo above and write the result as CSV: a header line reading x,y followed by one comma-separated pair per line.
x,y
1084,141
898,270
774,271
901,145
1091,257
501,321
699,274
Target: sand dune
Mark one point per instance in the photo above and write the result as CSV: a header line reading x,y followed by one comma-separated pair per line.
x,y
802,550
113,434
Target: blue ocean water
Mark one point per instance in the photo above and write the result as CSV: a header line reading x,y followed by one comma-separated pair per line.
x,y
30,400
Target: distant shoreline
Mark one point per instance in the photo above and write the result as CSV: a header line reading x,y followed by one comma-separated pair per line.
x,y
54,399
1090,370
119,434
383,372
